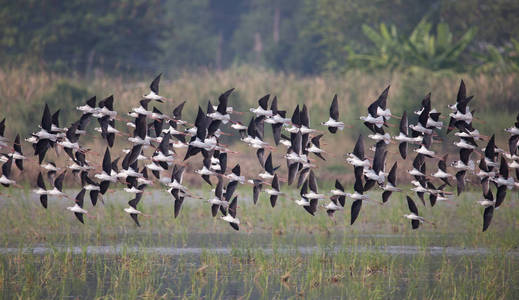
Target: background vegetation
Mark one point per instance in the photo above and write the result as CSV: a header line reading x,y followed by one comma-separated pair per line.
x,y
305,37
302,51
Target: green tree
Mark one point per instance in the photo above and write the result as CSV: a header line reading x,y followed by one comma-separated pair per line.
x,y
82,35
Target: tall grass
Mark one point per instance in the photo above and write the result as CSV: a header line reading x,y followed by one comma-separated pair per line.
x,y
23,93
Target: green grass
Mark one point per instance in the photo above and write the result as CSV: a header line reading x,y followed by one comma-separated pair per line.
x,y
278,253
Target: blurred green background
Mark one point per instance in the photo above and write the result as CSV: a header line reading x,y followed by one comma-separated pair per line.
x,y
303,51
299,36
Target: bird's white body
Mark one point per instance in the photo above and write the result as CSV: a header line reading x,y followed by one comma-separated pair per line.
x,y
86,109
218,116
418,127
302,202
238,126
415,172
44,134
31,139
357,196
509,182
313,195
461,166
17,155
277,119
105,177
266,175
378,121
177,186
261,112
55,192
424,151
386,113
285,143
441,174
333,123
231,219
314,149
142,180
333,206
401,137
292,129
512,130
467,117
273,192
412,216
355,161
76,167
132,210
296,158
234,177
436,124
161,157
133,190
338,193
305,130
77,209
171,131
154,167
464,145
391,188
5,180
204,171
474,134
380,137
91,187
380,177
40,191
513,165
486,203
218,201
152,96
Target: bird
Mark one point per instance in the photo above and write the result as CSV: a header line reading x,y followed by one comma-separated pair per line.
x,y
358,196
274,192
269,169
488,203
262,109
332,207
357,159
230,217
333,122
413,216
234,179
77,209
442,173
390,187
42,190
218,201
315,146
221,112
132,210
154,90
91,186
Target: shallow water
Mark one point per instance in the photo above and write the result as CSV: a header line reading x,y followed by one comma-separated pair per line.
x,y
278,253
173,251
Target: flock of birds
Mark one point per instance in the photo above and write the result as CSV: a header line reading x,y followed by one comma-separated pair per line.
x,y
163,134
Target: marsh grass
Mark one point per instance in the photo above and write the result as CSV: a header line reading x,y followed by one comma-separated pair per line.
x,y
279,253
23,93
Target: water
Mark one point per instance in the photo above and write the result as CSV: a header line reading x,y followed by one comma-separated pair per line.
x,y
279,253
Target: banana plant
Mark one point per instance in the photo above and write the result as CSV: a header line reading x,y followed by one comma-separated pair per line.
x,y
420,49
505,60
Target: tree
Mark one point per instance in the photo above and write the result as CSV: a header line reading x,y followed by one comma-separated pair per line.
x,y
81,35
